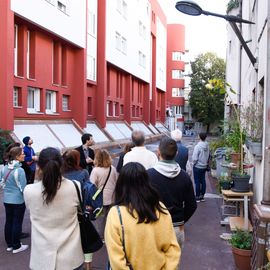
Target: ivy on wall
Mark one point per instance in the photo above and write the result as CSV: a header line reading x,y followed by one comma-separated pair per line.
x,y
232,4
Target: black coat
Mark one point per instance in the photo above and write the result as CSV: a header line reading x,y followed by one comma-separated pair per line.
x,y
177,194
83,163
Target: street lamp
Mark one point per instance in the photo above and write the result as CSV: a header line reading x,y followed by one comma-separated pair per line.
x,y
193,9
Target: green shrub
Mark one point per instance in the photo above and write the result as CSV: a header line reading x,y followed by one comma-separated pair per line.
x,y
5,140
241,239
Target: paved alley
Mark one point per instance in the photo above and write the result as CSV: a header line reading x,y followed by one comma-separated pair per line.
x,y
204,249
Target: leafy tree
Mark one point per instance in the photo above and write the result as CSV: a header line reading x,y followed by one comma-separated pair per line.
x,y
206,107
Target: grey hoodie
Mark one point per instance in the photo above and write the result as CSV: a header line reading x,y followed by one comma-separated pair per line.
x,y
168,168
201,155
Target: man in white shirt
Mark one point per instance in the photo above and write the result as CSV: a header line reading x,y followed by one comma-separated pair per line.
x,y
139,153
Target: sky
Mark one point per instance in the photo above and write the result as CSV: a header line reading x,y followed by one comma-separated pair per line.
x,y
203,33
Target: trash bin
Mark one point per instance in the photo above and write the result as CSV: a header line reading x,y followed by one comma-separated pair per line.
x,y
220,156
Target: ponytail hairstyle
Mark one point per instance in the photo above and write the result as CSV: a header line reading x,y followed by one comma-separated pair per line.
x,y
14,152
50,163
6,153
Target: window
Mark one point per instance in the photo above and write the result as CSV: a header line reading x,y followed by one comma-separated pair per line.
x,y
177,110
119,6
176,56
124,45
142,59
63,6
110,109
33,100
64,66
91,67
16,50
28,54
16,96
177,74
50,102
65,103
177,92
161,74
92,23
124,8
121,109
142,30
117,41
90,106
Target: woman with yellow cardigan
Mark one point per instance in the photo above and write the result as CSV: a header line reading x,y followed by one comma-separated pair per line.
x,y
146,238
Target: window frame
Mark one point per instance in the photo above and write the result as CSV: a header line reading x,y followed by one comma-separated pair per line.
x,y
36,93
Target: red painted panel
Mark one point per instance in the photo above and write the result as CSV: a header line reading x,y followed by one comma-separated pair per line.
x,y
6,65
175,45
101,63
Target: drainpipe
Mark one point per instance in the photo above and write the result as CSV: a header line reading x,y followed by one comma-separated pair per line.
x,y
266,145
240,60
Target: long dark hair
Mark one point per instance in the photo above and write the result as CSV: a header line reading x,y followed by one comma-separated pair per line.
x,y
134,191
50,162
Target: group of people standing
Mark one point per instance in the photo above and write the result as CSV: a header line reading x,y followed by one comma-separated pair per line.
x,y
147,201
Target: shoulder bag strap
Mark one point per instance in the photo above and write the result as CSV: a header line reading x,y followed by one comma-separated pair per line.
x,y
107,178
123,237
78,194
5,179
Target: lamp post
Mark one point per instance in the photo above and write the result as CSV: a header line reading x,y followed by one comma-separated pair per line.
x,y
193,9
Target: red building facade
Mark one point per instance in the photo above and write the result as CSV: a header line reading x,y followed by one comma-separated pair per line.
x,y
175,69
43,76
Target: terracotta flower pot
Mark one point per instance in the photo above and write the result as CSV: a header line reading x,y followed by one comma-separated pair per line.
x,y
235,158
242,258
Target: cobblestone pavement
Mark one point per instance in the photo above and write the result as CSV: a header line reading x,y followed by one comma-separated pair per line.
x,y
203,249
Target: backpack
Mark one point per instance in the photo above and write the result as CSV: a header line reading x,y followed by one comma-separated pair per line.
x,y
93,198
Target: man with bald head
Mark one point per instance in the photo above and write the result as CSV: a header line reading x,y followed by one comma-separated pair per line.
x,y
139,153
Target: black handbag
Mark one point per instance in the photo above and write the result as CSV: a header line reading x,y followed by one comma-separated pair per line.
x,y
90,238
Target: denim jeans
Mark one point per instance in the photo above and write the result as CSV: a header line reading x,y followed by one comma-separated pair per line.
x,y
199,179
13,226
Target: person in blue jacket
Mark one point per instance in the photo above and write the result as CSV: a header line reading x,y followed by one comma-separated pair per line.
x,y
30,159
182,151
13,181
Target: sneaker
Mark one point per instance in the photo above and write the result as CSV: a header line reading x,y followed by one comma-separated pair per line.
x,y
22,248
9,248
198,200
202,199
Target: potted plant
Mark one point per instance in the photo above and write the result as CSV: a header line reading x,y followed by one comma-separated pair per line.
x,y
224,181
235,137
241,242
253,121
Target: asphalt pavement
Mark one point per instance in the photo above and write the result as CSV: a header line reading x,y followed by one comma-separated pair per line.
x,y
203,250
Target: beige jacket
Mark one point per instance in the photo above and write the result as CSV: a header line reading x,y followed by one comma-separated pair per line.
x,y
149,246
98,177
55,242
